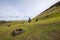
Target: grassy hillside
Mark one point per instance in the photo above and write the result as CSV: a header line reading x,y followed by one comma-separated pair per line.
x,y
51,13
46,28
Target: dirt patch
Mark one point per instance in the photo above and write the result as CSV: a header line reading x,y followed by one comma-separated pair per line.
x,y
54,34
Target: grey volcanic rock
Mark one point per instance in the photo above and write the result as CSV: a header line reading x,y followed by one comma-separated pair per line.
x,y
17,31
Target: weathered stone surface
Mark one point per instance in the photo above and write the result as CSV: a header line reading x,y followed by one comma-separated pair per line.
x,y
17,31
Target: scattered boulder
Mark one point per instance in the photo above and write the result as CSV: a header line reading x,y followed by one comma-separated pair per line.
x,y
17,31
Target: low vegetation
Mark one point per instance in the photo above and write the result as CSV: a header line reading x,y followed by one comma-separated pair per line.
x,y
45,26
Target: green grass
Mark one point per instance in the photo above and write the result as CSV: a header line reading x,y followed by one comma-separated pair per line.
x,y
32,32
46,28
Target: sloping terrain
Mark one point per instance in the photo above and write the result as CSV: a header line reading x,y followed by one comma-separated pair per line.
x,y
46,28
52,13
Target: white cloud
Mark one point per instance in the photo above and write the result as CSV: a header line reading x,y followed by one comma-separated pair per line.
x,y
23,9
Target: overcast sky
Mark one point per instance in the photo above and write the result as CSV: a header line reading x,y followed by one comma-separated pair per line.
x,y
23,9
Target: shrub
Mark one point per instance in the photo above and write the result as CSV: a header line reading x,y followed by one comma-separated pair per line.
x,y
36,19
47,16
9,25
2,22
